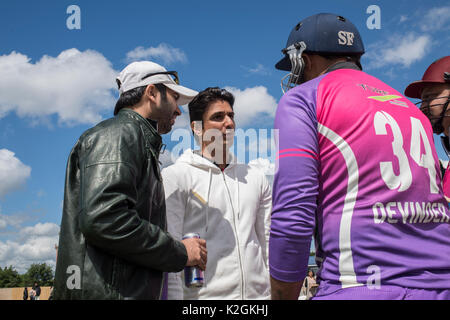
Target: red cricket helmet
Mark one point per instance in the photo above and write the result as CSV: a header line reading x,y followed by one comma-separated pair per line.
x,y
437,72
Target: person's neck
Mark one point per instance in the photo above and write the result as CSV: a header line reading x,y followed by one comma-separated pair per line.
x,y
145,110
221,163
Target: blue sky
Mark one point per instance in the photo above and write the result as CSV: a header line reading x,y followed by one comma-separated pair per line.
x,y
56,82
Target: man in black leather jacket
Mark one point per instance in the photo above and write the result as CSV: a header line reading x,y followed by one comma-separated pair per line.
x,y
113,241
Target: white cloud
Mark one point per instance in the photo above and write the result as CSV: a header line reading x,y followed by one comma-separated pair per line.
x,y
263,164
436,19
76,86
35,244
27,245
259,69
252,103
399,49
13,173
164,52
266,166
41,229
10,221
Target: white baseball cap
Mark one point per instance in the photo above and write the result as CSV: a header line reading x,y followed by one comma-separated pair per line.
x,y
143,73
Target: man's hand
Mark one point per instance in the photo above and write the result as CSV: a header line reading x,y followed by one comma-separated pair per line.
x,y
285,290
197,253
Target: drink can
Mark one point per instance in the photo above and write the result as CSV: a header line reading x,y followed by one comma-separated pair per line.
x,y
193,276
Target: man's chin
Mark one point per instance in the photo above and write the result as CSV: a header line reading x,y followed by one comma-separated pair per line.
x,y
164,128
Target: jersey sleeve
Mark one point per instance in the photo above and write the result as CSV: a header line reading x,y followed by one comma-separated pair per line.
x,y
295,187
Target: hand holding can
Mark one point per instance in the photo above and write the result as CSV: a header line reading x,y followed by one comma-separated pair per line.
x,y
196,250
197,257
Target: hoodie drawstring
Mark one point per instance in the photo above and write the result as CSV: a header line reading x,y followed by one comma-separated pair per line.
x,y
207,200
237,189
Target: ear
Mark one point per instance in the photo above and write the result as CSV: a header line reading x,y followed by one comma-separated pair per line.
x,y
197,128
151,92
307,61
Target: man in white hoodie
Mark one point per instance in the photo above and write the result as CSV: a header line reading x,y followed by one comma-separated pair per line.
x,y
227,203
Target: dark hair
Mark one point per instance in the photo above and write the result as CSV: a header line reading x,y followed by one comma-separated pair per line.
x,y
132,97
201,102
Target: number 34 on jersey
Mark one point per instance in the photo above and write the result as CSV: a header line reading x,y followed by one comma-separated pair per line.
x,y
403,180
410,212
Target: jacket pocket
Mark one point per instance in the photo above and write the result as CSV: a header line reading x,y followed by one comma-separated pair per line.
x,y
98,275
257,280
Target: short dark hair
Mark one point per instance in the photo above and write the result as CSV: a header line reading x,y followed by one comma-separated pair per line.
x,y
201,102
132,97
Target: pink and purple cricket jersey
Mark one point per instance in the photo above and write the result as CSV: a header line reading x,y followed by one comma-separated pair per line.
x,y
358,170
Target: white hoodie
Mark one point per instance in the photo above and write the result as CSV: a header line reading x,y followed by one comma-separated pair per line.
x,y
231,211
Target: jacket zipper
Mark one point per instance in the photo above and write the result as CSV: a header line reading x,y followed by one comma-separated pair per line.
x,y
237,239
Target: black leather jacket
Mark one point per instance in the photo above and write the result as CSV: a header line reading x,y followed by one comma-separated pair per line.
x,y
113,242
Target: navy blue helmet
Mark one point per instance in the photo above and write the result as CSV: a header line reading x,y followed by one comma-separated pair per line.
x,y
323,33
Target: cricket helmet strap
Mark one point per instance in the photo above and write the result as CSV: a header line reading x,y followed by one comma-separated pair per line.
x,y
294,52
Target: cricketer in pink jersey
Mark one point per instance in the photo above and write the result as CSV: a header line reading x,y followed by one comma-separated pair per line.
x,y
358,170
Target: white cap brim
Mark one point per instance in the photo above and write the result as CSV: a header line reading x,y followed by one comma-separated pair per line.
x,y
186,94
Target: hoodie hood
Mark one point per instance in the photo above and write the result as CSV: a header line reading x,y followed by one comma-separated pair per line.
x,y
194,158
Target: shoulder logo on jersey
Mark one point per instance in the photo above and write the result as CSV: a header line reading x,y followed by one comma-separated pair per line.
x,y
345,38
384,97
391,99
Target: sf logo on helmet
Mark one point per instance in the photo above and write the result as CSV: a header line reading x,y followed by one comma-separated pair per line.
x,y
345,38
